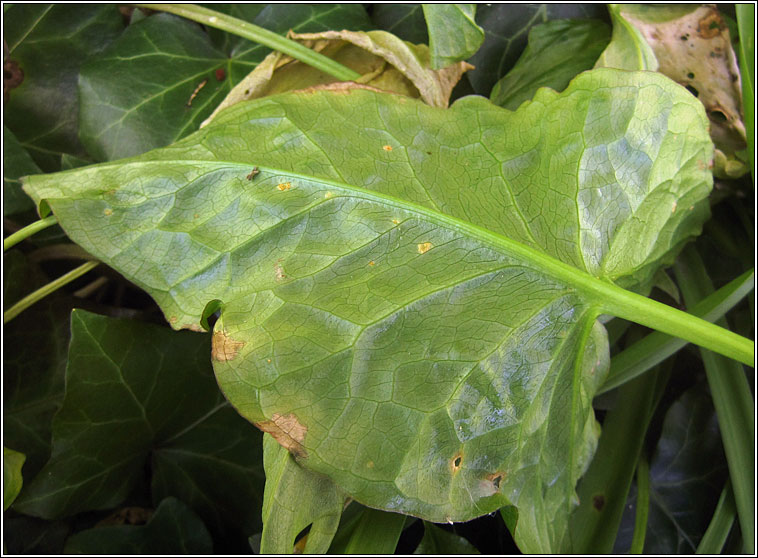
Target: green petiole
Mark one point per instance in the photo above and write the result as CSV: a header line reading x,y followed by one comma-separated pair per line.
x,y
28,231
42,292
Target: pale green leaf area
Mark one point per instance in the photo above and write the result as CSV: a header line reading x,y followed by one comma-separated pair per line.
x,y
437,541
628,48
13,461
687,473
385,246
453,32
139,393
557,51
294,499
173,529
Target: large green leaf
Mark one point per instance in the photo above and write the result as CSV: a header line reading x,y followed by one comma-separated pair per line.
x,y
164,76
48,43
557,51
173,529
134,390
628,49
402,20
453,33
506,27
391,310
437,541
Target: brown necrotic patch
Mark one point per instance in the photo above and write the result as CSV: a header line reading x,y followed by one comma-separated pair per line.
x,y
598,502
456,462
496,479
223,347
287,431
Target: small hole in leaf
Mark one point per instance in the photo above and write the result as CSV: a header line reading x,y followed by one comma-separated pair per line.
x,y
457,461
691,75
496,481
692,90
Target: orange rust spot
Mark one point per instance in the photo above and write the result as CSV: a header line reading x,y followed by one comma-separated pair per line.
x,y
268,360
710,25
173,319
387,147
108,212
673,207
372,263
284,186
287,431
196,215
327,195
194,327
223,347
424,247
395,222
370,464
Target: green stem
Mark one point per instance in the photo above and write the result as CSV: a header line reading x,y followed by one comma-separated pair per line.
x,y
721,523
731,398
28,231
657,347
257,34
643,505
42,292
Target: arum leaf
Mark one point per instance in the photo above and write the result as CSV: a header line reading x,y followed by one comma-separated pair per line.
x,y
557,51
12,479
383,60
47,44
693,47
375,253
453,33
506,27
437,541
295,498
173,529
628,49
134,391
402,20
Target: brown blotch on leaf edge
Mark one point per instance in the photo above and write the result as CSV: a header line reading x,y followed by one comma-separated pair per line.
x,y
13,76
223,347
287,431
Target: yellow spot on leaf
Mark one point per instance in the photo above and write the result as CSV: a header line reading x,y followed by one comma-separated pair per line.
x,y
284,186
196,215
288,431
372,263
370,464
108,212
223,347
173,319
327,195
424,247
279,271
673,207
387,148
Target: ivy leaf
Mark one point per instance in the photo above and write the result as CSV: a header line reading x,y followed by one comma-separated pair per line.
x,y
173,529
687,473
385,246
402,20
506,27
135,390
453,33
437,541
164,76
48,43
16,163
12,478
557,51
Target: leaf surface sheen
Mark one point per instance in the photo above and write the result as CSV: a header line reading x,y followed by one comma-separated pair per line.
x,y
373,310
